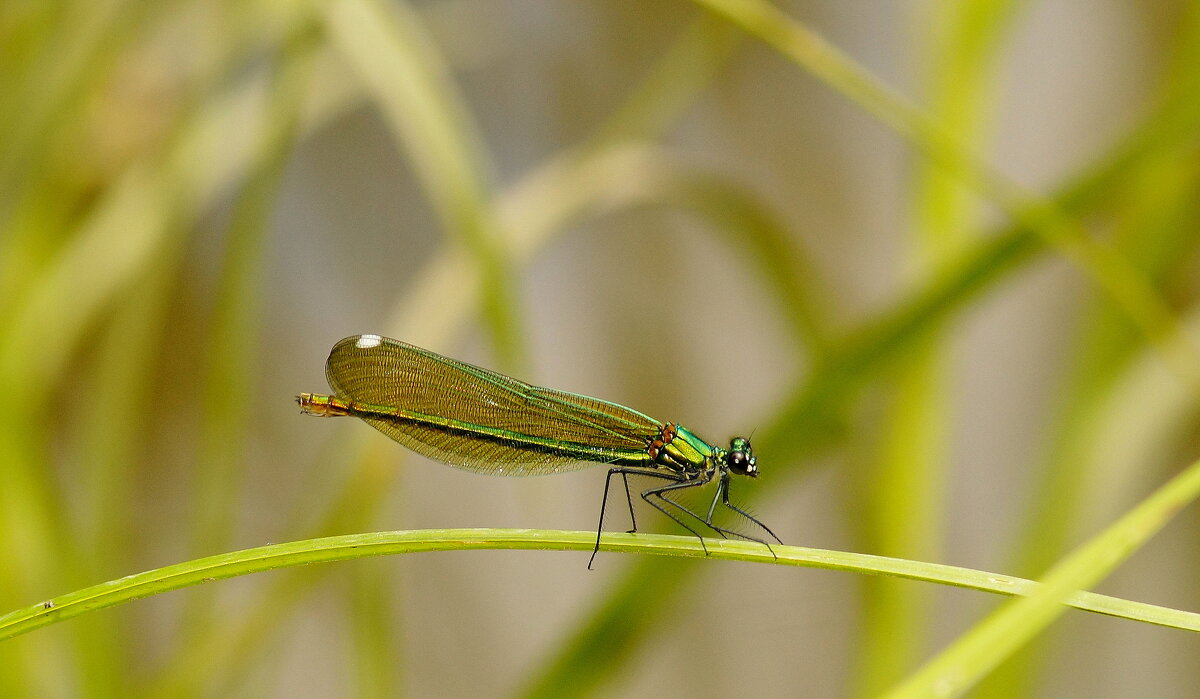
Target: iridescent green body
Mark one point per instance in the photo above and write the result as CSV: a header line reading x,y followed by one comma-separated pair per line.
x,y
484,421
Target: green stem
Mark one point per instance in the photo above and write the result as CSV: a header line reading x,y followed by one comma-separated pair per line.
x,y
354,546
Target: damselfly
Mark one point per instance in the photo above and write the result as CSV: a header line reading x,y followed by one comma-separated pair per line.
x,y
483,421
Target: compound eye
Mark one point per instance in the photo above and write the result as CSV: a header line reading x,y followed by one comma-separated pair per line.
x,y
739,463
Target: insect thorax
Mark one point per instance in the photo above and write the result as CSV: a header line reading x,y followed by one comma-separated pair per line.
x,y
677,449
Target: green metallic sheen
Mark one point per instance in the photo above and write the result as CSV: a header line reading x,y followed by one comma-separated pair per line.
x,y
689,449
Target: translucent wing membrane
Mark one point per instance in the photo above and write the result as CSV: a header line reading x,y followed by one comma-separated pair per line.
x,y
480,420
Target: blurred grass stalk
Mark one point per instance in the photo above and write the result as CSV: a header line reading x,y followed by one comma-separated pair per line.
x,y
135,224
137,212
532,211
993,640
810,417
905,482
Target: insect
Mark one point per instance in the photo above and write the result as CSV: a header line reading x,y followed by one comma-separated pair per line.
x,y
484,421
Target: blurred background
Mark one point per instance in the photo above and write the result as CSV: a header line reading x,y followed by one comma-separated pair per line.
x,y
939,258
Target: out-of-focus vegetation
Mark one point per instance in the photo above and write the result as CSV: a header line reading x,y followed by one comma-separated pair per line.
x,y
943,255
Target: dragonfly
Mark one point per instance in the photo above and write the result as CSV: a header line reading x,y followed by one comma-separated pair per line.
x,y
483,421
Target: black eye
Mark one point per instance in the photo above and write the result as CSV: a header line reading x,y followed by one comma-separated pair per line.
x,y
738,462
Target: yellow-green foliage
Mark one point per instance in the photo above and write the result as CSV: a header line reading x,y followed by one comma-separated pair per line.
x,y
943,255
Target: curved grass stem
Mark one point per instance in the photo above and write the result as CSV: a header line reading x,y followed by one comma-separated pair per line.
x,y
354,546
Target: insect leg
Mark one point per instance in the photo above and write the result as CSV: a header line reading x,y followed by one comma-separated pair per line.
x,y
722,495
647,495
604,504
712,507
725,501
629,499
624,471
747,515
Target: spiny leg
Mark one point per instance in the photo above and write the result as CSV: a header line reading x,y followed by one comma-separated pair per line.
x,y
722,495
712,506
625,471
604,505
629,499
677,486
679,506
726,533
747,515
722,531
